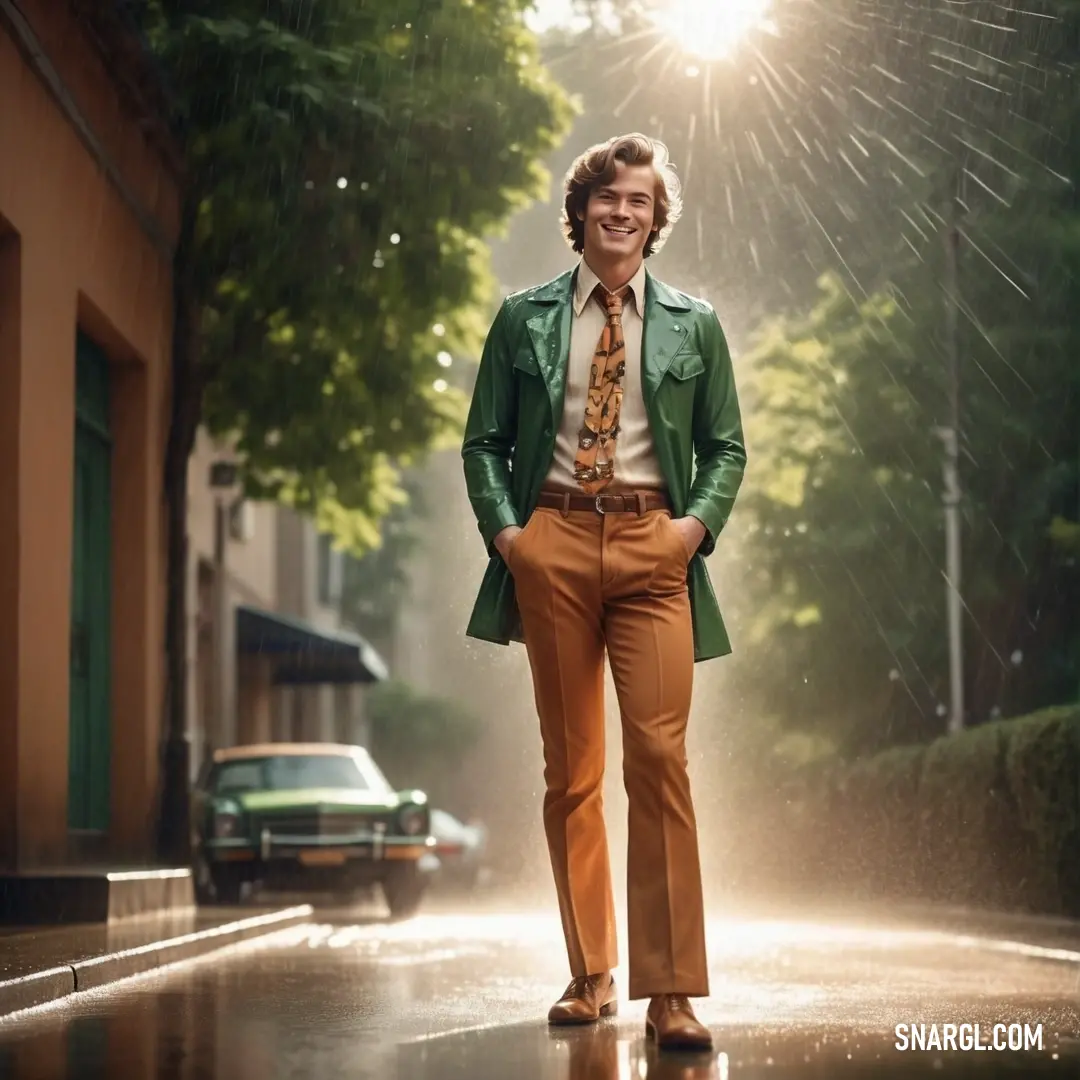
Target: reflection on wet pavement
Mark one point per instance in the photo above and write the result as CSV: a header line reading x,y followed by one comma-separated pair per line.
x,y
612,1052
456,996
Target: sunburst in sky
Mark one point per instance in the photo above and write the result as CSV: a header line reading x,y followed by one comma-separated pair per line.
x,y
712,30
705,29
809,132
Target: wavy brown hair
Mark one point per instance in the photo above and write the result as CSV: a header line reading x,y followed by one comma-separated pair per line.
x,y
596,167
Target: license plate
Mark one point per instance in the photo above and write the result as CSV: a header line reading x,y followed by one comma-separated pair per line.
x,y
322,858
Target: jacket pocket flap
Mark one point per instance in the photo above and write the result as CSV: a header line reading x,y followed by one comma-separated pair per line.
x,y
686,366
526,361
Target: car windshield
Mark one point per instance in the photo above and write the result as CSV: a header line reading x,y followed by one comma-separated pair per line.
x,y
292,772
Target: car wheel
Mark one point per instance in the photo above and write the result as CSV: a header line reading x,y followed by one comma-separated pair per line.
x,y
404,890
201,880
227,888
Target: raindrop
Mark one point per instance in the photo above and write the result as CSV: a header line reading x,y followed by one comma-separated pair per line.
x,y
894,675
395,238
342,183
309,184
440,386
693,71
364,185
444,359
438,329
941,710
1017,657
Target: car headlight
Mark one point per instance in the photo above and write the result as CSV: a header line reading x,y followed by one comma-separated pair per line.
x,y
226,824
413,820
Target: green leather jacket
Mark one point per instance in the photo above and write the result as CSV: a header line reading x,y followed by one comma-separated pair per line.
x,y
517,407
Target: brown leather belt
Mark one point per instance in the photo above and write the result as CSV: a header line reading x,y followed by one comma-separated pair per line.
x,y
633,502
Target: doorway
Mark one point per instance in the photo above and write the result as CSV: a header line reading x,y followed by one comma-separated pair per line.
x,y
89,738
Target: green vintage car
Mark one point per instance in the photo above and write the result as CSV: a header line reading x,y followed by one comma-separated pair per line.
x,y
307,817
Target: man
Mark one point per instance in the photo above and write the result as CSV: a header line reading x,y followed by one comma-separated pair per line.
x,y
603,453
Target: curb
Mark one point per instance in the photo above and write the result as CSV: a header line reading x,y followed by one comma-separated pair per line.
x,y
43,987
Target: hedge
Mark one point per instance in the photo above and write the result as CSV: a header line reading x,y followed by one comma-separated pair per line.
x,y
986,818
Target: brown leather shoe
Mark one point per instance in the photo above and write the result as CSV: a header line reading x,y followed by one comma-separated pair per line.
x,y
586,999
672,1023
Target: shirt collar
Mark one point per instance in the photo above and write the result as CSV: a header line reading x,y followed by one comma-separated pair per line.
x,y
587,282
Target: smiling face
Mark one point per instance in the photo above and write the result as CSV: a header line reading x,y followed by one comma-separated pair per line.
x,y
619,216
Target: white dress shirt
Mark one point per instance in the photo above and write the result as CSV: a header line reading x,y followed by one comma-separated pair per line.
x,y
636,464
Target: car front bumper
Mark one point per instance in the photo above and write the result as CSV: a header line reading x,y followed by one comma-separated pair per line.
x,y
356,852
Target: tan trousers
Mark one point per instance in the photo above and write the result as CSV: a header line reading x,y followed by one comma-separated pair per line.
x,y
587,583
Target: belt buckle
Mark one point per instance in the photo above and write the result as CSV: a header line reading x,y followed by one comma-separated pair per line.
x,y
599,509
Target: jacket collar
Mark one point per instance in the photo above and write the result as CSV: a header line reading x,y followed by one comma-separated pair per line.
x,y
665,331
562,288
586,281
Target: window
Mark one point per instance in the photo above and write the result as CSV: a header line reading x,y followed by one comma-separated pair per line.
x,y
294,772
329,572
236,777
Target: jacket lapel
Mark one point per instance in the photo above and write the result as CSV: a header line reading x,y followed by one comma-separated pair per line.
x,y
666,330
549,331
667,327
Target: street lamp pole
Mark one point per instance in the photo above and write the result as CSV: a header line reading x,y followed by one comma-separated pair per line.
x,y
951,494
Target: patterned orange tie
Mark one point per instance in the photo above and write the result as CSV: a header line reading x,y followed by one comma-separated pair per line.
x,y
594,463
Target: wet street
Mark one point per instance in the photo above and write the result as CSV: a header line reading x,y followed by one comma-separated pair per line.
x,y
462,994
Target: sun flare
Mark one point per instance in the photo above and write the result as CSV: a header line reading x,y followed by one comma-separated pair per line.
x,y
713,29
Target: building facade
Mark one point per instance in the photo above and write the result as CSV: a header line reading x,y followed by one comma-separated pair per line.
x,y
320,701
229,695
269,658
89,214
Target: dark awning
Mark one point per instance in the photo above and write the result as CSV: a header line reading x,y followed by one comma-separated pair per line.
x,y
304,654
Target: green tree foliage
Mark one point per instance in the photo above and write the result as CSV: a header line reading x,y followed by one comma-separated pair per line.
x,y
346,159
840,518
843,524
421,740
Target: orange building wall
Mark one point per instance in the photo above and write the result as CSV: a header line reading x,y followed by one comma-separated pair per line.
x,y
10,382
85,263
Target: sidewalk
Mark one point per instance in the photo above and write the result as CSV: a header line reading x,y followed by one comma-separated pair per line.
x,y
1054,933
38,966
1058,935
